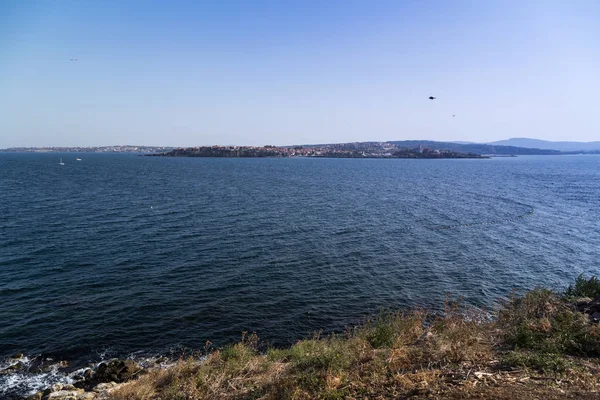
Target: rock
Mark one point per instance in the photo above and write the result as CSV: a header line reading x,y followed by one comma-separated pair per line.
x,y
594,304
63,395
104,386
481,375
15,367
86,396
88,374
37,396
56,387
582,303
41,367
117,371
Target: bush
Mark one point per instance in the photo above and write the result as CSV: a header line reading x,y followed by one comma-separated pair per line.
x,y
543,362
390,329
584,287
541,321
322,354
382,332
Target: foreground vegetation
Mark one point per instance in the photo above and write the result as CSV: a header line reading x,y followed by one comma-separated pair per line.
x,y
542,344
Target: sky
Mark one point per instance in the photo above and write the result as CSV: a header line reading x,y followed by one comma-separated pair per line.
x,y
191,73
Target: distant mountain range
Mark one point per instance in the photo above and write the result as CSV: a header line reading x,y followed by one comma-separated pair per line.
x,y
548,145
475,148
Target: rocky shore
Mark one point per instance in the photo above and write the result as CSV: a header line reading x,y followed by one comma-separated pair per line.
x,y
93,382
542,344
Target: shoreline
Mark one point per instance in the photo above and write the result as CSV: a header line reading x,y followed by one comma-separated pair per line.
x,y
534,339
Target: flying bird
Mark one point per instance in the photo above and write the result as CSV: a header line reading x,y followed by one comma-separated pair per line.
x,y
453,115
431,98
73,59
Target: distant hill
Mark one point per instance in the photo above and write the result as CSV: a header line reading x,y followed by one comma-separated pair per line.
x,y
548,145
476,148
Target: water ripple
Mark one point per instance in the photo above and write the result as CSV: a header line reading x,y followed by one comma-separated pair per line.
x,y
145,255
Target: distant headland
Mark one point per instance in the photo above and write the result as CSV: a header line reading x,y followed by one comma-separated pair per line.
x,y
342,150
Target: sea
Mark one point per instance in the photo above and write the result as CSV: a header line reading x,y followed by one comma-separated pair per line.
x,y
121,255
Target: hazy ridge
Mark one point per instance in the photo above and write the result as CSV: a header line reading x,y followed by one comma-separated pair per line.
x,y
549,145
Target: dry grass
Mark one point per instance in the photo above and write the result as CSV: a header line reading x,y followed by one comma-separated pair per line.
x,y
537,347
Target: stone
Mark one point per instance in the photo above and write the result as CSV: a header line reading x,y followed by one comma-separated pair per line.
x,y
41,367
63,395
56,387
582,303
88,374
86,396
117,371
593,308
481,375
595,303
104,386
36,396
15,367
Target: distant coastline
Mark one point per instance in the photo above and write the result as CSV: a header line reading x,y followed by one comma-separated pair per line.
x,y
387,149
90,149
347,150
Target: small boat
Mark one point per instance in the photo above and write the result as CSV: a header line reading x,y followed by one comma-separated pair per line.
x,y
78,159
61,162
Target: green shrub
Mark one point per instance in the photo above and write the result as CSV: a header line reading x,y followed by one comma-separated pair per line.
x,y
584,287
543,362
390,329
381,332
321,354
278,355
541,321
238,355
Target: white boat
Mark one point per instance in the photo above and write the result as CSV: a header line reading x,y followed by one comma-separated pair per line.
x,y
60,162
78,159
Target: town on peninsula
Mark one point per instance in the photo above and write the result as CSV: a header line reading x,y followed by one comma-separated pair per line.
x,y
413,149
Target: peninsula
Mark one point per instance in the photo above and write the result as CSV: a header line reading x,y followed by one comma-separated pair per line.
x,y
341,150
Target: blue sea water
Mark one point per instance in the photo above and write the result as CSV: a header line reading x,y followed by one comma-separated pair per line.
x,y
120,255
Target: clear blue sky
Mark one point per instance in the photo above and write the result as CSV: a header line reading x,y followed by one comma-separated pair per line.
x,y
278,72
